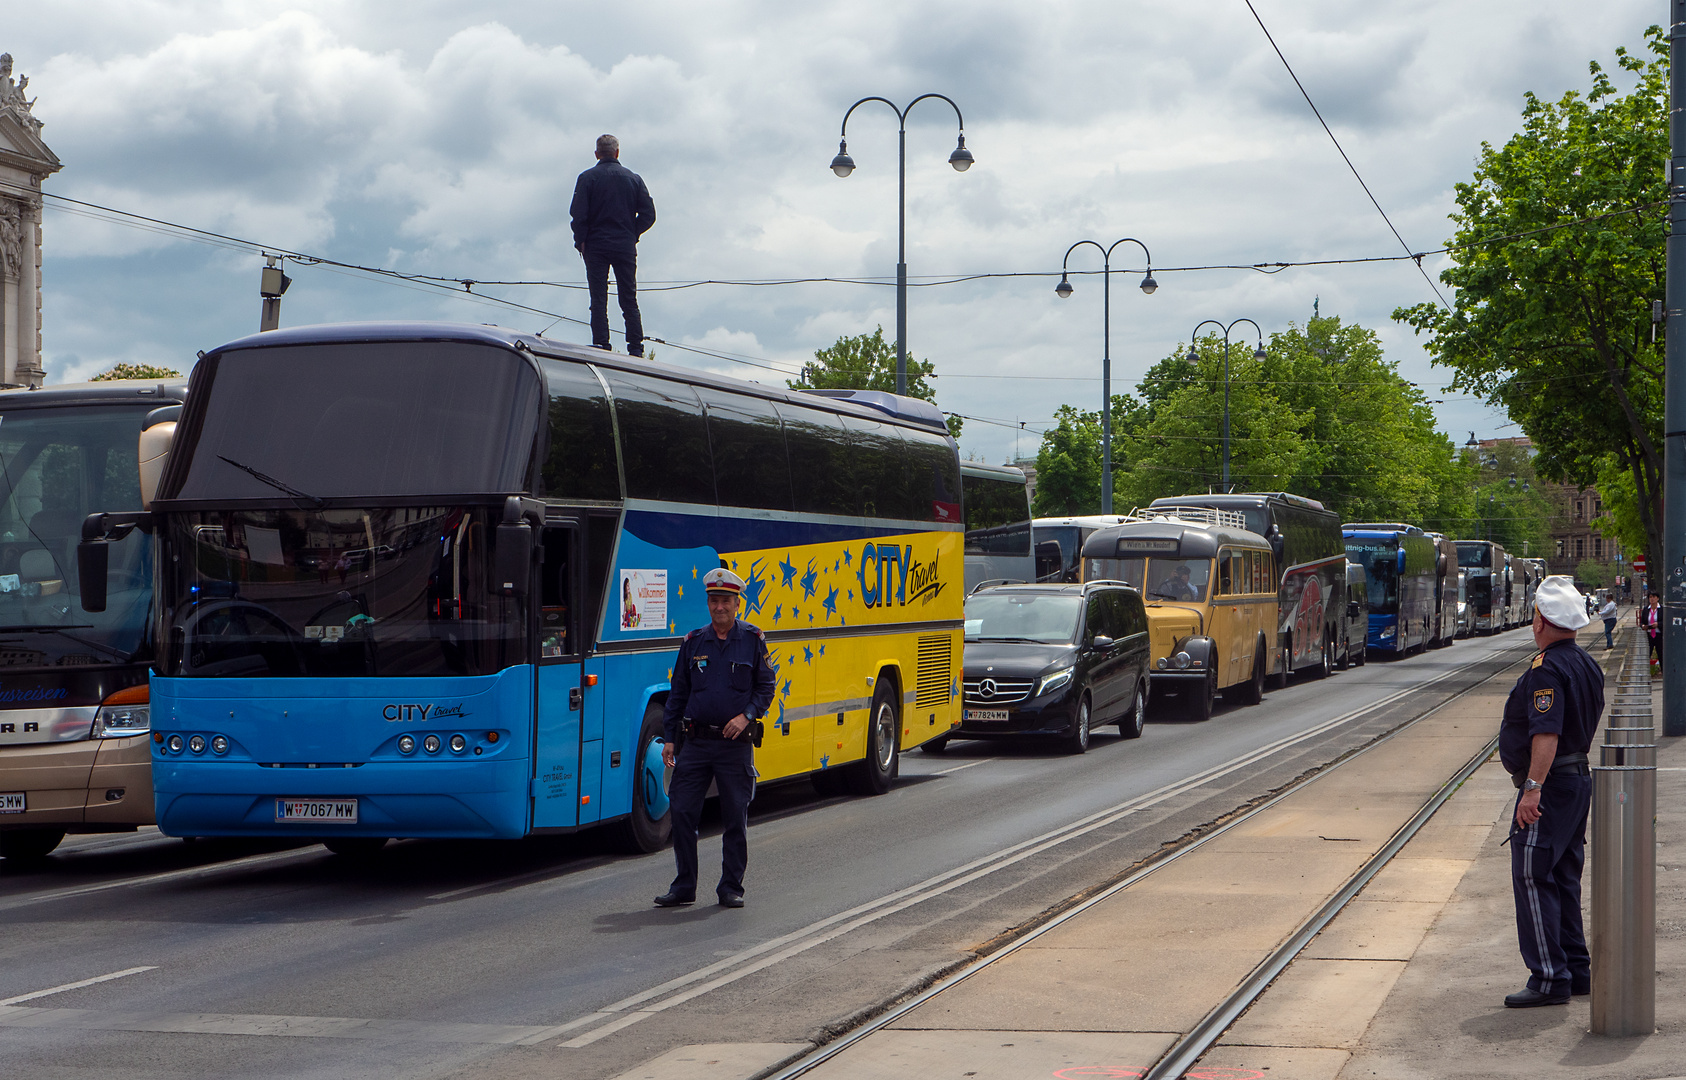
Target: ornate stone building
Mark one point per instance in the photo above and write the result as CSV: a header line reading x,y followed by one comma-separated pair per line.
x,y
24,162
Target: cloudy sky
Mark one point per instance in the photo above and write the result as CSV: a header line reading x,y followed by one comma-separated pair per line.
x,y
444,138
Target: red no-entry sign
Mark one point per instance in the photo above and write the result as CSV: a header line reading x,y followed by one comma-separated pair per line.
x,y
1639,565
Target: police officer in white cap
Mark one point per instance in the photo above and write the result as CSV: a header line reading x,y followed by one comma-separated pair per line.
x,y
1549,721
721,687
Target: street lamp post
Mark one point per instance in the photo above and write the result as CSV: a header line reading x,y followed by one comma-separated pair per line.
x,y
1194,357
1063,290
843,165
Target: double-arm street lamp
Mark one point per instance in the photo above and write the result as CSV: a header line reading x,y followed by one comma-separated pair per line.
x,y
843,165
1194,358
1063,290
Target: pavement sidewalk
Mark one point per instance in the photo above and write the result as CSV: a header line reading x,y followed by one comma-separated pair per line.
x,y
1437,929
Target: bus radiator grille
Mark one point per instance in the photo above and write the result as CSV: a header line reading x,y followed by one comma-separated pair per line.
x,y
935,672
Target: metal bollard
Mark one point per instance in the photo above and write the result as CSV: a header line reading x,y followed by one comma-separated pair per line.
x,y
1624,881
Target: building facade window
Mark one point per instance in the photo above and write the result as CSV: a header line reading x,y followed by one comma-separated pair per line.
x,y
1580,509
1560,547
1598,547
1580,547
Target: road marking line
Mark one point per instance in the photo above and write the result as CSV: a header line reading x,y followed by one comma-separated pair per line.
x,y
77,985
957,768
153,879
615,1016
309,1027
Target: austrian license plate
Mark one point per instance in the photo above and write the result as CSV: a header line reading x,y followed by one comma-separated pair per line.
x,y
987,715
317,811
12,802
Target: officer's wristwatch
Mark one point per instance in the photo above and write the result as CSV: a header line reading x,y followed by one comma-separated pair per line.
x,y
1531,785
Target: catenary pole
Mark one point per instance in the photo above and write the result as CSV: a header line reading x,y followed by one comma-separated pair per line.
x,y
1670,577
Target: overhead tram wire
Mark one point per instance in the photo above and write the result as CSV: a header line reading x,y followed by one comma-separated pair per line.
x,y
1342,150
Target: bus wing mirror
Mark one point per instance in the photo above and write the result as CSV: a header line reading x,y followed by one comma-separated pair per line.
x,y
92,569
513,562
155,443
1352,609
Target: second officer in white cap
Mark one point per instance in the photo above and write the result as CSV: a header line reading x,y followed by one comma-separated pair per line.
x,y
1549,721
721,687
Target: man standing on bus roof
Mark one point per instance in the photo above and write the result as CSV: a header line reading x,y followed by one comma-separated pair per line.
x,y
611,210
1548,726
721,687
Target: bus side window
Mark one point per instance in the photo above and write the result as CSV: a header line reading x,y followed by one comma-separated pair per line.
x,y
1225,578
878,482
664,440
580,460
750,466
556,594
934,484
1260,581
819,459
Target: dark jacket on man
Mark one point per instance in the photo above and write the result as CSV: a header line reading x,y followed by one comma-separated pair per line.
x,y
611,209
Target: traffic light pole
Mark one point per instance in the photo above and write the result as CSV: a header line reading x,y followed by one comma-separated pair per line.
x,y
1669,578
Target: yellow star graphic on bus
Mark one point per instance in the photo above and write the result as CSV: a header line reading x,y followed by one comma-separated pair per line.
x,y
681,590
693,573
673,628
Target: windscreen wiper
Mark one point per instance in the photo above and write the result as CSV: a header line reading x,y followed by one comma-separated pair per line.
x,y
115,654
286,489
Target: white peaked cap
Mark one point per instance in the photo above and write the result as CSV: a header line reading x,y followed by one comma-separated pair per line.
x,y
1561,603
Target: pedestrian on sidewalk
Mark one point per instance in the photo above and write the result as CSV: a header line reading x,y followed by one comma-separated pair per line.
x,y
1608,614
1549,720
1651,621
610,211
722,684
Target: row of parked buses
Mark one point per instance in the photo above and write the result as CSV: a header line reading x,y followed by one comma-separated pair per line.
x,y
427,580
1236,592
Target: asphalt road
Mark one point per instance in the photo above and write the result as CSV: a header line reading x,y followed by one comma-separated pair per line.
x,y
545,958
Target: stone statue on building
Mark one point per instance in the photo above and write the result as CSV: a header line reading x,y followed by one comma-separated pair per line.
x,y
25,161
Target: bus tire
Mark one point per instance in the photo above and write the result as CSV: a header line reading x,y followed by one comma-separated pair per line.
x,y
1325,661
644,829
1130,725
1252,691
28,845
355,847
1199,702
874,774
1279,681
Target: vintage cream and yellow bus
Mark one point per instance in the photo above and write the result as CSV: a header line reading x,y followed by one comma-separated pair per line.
x,y
1211,589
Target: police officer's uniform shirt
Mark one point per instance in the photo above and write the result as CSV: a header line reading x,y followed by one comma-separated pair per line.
x,y
715,680
1562,694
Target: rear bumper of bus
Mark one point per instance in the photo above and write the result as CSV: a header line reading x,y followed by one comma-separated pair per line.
x,y
442,800
92,785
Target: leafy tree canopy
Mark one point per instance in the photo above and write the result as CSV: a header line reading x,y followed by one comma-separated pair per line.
x,y
1551,319
1068,465
868,362
136,371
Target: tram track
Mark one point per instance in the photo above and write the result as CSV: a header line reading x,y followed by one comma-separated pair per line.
x,y
1188,1049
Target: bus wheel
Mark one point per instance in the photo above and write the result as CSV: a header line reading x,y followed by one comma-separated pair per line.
x,y
648,827
355,847
1279,681
883,743
1131,724
1253,691
27,845
1200,700
1324,662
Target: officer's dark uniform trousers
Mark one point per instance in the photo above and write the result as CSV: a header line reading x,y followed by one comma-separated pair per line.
x,y
713,681
1562,694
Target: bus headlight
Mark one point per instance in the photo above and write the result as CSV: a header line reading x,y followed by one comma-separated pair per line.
x,y
1181,660
406,744
1388,631
219,744
458,744
174,743
1053,682
431,744
197,744
121,721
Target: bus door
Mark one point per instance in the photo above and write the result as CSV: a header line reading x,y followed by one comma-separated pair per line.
x,y
566,778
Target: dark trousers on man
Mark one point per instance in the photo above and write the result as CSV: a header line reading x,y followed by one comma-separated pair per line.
x,y
730,765
1609,633
1545,873
625,265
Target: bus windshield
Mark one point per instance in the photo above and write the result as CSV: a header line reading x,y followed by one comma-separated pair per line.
x,y
340,592
1050,618
57,466
1171,579
1380,561
1472,555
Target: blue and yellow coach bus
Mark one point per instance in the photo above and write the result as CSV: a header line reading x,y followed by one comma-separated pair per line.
x,y
428,580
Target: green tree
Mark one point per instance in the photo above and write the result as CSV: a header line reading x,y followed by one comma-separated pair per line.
x,y
868,362
1068,465
1596,574
1510,507
1551,320
136,371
